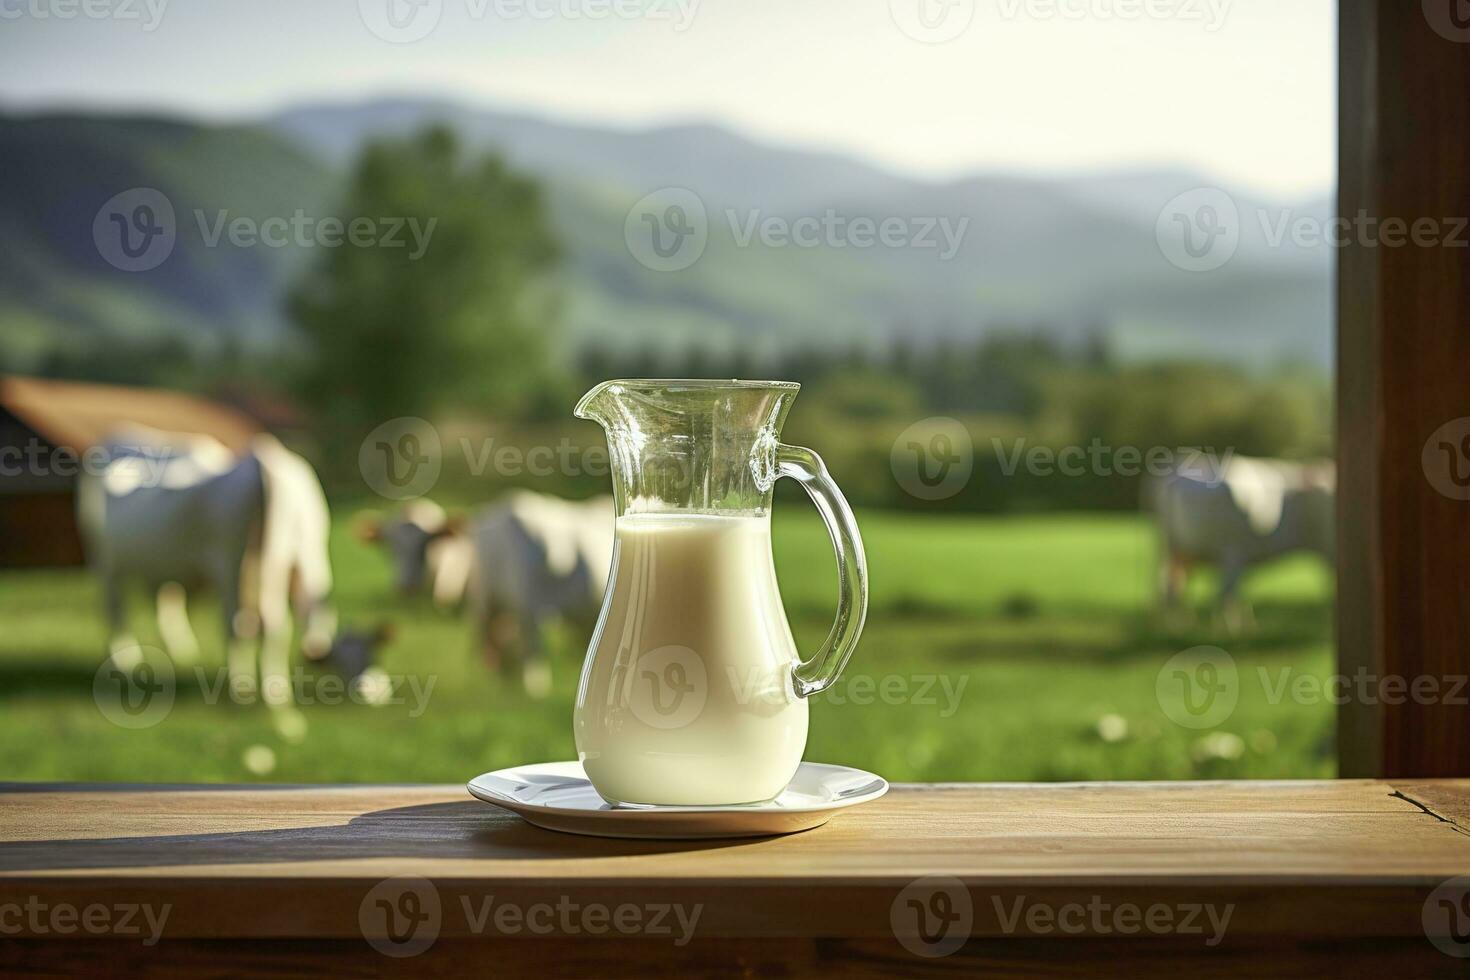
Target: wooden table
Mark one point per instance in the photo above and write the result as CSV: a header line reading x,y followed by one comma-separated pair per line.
x,y
1188,879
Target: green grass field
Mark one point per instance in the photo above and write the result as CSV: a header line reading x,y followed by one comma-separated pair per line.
x,y
1014,648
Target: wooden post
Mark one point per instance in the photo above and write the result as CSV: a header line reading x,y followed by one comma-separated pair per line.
x,y
1403,382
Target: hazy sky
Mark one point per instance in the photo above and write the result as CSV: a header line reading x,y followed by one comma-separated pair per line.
x,y
1244,90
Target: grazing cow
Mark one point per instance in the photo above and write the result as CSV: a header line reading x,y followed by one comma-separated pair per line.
x,y
521,561
177,513
1242,513
425,543
535,558
296,563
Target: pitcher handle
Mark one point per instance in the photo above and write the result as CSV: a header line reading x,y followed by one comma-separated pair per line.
x,y
806,467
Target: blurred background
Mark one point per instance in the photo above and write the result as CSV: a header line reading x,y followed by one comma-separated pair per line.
x,y
1033,265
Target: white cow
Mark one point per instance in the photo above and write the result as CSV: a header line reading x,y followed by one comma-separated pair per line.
x,y
521,561
426,544
1239,514
177,513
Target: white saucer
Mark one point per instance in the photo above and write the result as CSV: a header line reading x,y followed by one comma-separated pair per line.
x,y
557,796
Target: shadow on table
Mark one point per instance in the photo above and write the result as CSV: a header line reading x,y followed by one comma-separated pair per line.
x,y
435,830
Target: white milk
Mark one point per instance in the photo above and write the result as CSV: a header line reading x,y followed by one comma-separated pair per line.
x,y
686,696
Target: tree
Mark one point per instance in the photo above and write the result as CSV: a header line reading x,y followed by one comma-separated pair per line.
x,y
457,314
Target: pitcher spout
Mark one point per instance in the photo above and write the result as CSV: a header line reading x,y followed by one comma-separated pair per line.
x,y
616,397
592,406
690,444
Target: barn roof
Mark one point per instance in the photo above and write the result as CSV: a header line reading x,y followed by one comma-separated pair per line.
x,y
77,416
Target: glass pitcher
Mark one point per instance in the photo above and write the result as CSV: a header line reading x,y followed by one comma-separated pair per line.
x,y
693,692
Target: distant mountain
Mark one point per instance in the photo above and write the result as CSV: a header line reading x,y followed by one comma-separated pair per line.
x,y
57,290
1066,255
724,167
